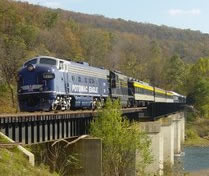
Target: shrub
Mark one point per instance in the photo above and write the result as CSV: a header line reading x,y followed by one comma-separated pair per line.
x,y
120,140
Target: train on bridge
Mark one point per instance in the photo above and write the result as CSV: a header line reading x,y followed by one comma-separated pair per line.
x,y
48,83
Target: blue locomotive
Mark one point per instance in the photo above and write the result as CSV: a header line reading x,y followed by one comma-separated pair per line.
x,y
48,83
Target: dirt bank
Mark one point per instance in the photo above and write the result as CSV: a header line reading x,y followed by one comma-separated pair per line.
x,y
204,172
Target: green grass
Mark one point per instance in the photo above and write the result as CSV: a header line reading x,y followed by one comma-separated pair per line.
x,y
14,163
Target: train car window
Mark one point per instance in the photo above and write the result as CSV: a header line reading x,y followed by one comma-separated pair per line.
x,y
86,80
79,79
61,65
113,83
34,61
48,61
143,91
73,78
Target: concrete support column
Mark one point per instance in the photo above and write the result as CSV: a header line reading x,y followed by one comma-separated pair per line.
x,y
153,130
28,154
177,134
90,151
167,129
182,127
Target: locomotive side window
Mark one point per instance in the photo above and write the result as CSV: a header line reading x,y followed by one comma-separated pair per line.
x,y
61,66
48,61
34,61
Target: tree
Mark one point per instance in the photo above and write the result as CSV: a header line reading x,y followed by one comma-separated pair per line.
x,y
96,44
12,51
200,97
120,140
174,73
155,64
51,18
197,85
200,70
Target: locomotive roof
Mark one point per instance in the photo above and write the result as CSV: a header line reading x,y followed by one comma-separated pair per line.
x,y
77,67
81,64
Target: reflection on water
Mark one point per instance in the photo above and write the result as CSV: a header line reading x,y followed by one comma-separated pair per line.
x,y
196,158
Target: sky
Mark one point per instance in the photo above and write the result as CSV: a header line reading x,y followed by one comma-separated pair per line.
x,y
184,14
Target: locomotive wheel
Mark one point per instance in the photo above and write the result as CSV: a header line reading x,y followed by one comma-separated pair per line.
x,y
54,106
68,106
93,105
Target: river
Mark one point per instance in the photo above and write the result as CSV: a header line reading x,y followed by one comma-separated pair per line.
x,y
196,158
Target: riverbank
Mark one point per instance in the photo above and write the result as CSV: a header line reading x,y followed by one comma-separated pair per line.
x,y
204,172
13,162
197,133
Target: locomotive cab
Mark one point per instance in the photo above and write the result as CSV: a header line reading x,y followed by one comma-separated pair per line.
x,y
36,84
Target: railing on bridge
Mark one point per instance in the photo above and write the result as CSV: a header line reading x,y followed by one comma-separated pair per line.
x,y
27,129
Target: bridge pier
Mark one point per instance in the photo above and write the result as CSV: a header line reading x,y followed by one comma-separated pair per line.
x,y
177,133
167,128
90,155
154,132
182,115
166,135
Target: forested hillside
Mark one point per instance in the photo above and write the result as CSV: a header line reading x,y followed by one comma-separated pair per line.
x,y
188,44
157,54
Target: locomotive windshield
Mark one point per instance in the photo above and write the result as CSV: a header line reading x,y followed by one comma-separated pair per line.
x,y
34,61
48,61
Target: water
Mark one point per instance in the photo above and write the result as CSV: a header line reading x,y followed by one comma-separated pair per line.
x,y
196,158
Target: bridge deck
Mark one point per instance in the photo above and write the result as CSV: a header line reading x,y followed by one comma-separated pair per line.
x,y
29,128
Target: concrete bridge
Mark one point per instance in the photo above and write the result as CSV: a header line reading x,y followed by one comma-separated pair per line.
x,y
30,128
166,134
163,122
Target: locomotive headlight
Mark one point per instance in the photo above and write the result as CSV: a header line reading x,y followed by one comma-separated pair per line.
x,y
30,67
48,75
20,90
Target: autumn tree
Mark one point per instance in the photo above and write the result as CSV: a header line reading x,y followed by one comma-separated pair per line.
x,y
96,44
11,53
155,64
